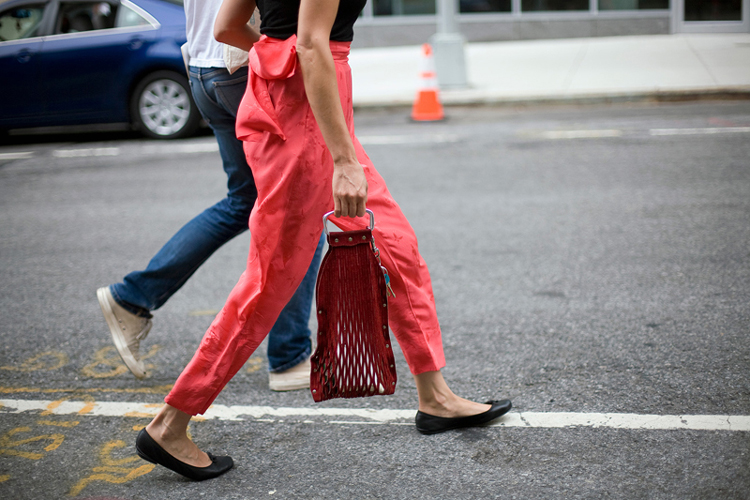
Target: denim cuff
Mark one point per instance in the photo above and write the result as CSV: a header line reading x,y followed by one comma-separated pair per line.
x,y
138,311
291,364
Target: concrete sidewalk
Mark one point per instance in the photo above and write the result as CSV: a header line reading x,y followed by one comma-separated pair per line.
x,y
574,70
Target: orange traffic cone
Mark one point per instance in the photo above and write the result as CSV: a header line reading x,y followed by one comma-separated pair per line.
x,y
427,107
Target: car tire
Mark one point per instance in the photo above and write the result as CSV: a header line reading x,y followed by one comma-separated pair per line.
x,y
162,107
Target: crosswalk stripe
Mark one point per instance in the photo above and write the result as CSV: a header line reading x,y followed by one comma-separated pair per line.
x,y
384,140
362,416
86,152
22,155
580,134
699,131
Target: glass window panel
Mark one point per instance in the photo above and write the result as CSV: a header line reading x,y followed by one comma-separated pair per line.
x,y
20,22
128,17
485,6
713,10
547,5
633,4
76,17
403,7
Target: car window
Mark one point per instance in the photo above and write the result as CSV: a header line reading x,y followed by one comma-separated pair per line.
x,y
20,22
76,17
128,17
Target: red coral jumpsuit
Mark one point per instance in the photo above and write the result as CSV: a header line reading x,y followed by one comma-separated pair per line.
x,y
293,172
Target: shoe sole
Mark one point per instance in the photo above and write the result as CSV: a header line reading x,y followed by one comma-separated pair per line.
x,y
143,455
117,338
284,387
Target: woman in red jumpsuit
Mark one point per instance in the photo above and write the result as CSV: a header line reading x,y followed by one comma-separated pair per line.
x,y
297,126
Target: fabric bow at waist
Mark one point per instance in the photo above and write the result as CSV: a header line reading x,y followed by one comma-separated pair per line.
x,y
269,59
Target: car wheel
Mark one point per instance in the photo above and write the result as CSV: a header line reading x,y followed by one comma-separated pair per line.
x,y
163,108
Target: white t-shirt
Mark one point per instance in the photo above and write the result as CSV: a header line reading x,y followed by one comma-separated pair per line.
x,y
204,50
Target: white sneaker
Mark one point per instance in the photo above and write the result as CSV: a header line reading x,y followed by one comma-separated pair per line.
x,y
296,377
127,330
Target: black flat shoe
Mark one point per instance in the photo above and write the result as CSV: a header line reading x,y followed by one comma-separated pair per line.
x,y
429,424
149,450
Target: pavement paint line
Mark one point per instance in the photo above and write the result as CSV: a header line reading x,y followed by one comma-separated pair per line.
x,y
168,149
349,416
190,148
162,390
82,153
580,134
16,156
699,131
384,140
627,421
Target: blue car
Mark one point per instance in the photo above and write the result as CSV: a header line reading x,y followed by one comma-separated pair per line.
x,y
114,64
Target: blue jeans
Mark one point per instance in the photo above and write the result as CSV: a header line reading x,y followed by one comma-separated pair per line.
x,y
217,95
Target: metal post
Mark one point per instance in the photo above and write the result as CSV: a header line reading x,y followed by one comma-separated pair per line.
x,y
448,46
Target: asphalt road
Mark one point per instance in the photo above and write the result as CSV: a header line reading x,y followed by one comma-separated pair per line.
x,y
584,260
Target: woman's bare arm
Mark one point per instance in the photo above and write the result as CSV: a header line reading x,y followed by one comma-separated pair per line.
x,y
316,19
231,24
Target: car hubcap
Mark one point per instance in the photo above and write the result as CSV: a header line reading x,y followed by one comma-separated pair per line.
x,y
164,107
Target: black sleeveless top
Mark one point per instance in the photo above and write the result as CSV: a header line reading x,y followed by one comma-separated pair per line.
x,y
279,18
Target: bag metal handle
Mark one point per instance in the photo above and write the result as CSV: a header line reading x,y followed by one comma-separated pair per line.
x,y
325,220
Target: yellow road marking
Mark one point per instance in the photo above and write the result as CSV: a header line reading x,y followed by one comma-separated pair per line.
x,y
140,471
58,424
159,389
88,399
109,358
139,414
205,312
111,466
38,362
254,364
4,478
8,444
105,454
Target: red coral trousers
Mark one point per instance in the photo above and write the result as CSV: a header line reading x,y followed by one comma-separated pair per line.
x,y
293,172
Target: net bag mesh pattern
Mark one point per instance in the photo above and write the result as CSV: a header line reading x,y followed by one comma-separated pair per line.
x,y
354,357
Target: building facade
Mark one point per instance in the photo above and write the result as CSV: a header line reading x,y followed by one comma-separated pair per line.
x,y
407,22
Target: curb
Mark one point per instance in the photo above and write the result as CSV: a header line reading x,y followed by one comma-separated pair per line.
x,y
451,98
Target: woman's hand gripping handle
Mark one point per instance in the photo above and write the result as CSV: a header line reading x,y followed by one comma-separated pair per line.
x,y
349,189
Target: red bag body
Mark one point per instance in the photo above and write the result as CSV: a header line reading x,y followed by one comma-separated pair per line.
x,y
354,356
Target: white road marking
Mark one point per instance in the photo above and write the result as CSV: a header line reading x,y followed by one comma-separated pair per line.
x,y
81,153
16,156
353,416
371,140
183,148
378,140
698,131
580,134
212,146
149,149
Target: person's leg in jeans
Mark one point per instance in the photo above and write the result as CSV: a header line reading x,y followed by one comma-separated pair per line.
x,y
287,372
127,305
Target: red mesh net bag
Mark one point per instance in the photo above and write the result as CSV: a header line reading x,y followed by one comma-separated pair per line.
x,y
354,357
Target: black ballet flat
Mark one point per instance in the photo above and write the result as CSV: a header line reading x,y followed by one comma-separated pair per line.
x,y
149,450
429,424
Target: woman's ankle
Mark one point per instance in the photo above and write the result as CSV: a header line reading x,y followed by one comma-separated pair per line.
x,y
434,393
170,424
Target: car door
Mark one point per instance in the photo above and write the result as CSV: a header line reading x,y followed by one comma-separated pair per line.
x,y
21,27
86,59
